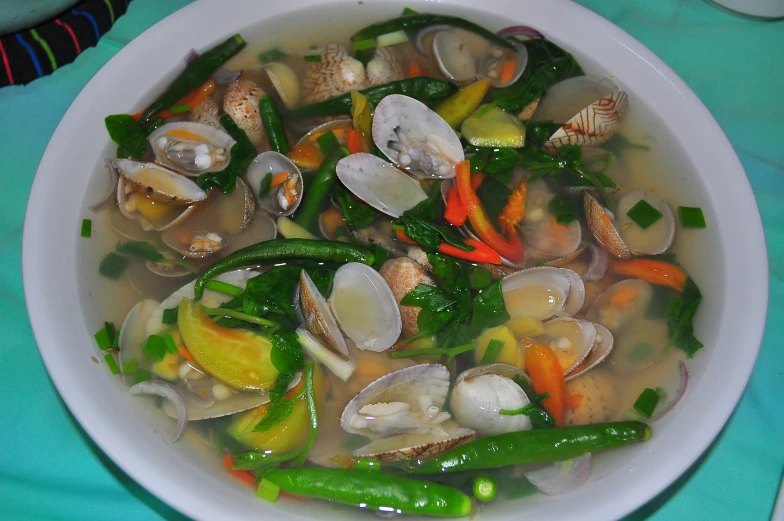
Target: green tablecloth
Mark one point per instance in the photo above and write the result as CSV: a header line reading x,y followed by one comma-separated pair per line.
x,y
50,470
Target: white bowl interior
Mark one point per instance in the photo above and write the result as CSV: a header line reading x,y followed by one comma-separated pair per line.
x,y
187,475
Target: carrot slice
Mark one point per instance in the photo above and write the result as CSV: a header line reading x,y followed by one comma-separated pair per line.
x,y
547,377
402,237
414,69
653,271
194,98
507,71
354,141
242,475
279,180
623,298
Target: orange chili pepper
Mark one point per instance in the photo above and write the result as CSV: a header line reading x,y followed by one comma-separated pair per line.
x,y
514,211
456,212
354,141
244,476
510,247
476,179
481,252
402,237
653,271
623,298
279,179
547,377
194,98
507,70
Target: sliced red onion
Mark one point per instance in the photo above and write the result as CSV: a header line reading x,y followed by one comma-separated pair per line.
x,y
599,262
224,76
419,41
112,193
561,477
191,56
520,30
681,391
167,392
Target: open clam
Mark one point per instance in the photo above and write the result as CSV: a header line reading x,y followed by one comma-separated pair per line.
x,y
379,184
278,195
191,148
543,292
544,235
620,236
318,317
456,62
590,107
621,304
402,413
479,395
285,81
403,275
159,184
135,205
307,153
578,344
415,138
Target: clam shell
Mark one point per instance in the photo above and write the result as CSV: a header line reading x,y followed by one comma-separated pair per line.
x,y
336,73
415,138
241,102
655,239
543,292
365,308
538,226
603,229
600,402
206,113
285,81
402,275
385,66
125,191
601,349
340,367
379,184
319,318
453,56
175,146
581,336
405,447
133,334
493,59
284,199
163,269
260,228
159,183
605,312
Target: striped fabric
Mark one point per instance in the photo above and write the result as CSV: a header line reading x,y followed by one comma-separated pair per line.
x,y
30,54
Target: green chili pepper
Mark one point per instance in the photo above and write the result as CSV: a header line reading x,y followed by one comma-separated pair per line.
x,y
421,88
414,22
319,188
270,116
284,249
536,446
196,73
485,488
373,490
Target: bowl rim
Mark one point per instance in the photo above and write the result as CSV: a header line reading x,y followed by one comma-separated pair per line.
x,y
113,441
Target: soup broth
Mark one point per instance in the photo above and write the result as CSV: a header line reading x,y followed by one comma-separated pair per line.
x,y
581,306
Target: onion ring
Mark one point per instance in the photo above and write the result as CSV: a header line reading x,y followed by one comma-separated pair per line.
x,y
520,30
599,262
168,392
681,392
561,477
419,41
105,200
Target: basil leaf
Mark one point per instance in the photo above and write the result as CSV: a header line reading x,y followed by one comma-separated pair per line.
x,y
125,131
428,297
489,308
286,354
276,413
358,214
141,249
242,154
565,209
282,383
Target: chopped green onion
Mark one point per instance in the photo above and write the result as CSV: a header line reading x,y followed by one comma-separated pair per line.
x,y
394,38
493,350
224,287
361,45
480,278
111,363
268,491
178,109
312,57
142,375
107,337
112,266
327,141
87,228
271,55
485,488
170,315
691,217
131,366
368,464
239,315
154,349
171,347
644,214
647,402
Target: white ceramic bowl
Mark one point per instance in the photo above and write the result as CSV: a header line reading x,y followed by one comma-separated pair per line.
x,y
730,323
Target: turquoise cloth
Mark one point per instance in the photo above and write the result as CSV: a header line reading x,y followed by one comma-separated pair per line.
x,y
50,470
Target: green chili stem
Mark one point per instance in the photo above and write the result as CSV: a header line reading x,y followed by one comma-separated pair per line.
x,y
239,315
224,287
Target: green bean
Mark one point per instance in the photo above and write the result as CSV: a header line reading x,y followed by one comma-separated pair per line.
x,y
284,249
421,88
373,490
319,188
417,21
536,446
195,73
276,134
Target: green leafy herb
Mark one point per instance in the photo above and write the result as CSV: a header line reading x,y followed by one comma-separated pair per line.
x,y
312,57
691,217
171,347
495,162
282,383
112,266
327,141
242,154
276,413
680,319
493,350
87,228
358,214
429,297
430,236
489,308
565,209
271,55
537,133
111,363
125,131
154,349
449,352
644,214
646,402
479,278
239,315
153,125
286,353
540,418
141,249
547,65
493,195
265,186
170,315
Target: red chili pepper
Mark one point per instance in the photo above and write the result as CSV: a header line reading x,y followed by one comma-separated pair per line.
x,y
476,179
245,477
510,247
456,212
354,141
481,253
